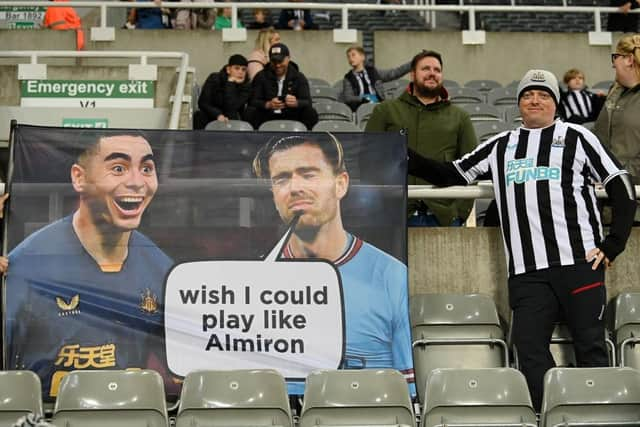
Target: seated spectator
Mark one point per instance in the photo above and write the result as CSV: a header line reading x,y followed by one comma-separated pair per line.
x,y
281,92
578,104
223,20
64,18
364,82
190,19
296,19
624,21
225,94
148,18
259,56
261,19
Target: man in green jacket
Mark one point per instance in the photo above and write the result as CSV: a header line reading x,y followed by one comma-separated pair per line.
x,y
436,129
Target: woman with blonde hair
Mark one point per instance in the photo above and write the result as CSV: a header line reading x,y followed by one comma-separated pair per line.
x,y
259,56
618,127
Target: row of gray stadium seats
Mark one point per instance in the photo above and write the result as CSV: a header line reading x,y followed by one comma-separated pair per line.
x,y
456,397
465,331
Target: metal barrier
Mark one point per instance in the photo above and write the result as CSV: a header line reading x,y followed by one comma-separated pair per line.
x,y
143,55
105,33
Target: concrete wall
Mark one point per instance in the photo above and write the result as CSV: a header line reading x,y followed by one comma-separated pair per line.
x,y
314,51
471,260
505,56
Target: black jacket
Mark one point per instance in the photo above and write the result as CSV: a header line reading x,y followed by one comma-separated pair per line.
x,y
265,87
220,96
287,15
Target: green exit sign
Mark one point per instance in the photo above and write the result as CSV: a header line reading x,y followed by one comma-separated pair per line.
x,y
85,123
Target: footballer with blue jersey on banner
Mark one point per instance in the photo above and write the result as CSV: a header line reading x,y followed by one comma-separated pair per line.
x,y
309,178
86,291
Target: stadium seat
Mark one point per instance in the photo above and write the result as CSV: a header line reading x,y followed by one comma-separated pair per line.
x,y
234,398
465,95
450,83
561,347
502,96
477,397
336,126
282,126
455,331
218,125
604,85
20,394
365,397
362,114
482,85
513,84
323,92
627,328
485,130
482,112
591,397
333,110
394,88
317,82
111,398
512,115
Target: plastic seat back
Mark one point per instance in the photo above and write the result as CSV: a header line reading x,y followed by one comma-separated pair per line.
x,y
357,398
502,96
627,328
111,398
477,396
323,92
482,112
336,126
454,331
282,126
591,396
482,85
20,394
465,95
318,82
218,125
362,114
333,110
486,130
234,398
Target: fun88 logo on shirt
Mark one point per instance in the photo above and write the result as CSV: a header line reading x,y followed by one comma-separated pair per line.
x,y
520,171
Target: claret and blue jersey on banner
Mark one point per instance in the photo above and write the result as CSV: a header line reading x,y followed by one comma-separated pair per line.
x,y
187,250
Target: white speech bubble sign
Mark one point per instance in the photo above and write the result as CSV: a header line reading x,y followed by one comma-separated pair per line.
x,y
278,314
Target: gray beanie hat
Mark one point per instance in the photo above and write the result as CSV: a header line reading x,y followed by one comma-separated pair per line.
x,y
542,80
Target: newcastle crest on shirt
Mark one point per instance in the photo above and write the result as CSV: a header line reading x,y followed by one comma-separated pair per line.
x,y
148,302
68,308
558,142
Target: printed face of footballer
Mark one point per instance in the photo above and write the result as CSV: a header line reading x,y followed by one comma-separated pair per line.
x,y
119,181
303,182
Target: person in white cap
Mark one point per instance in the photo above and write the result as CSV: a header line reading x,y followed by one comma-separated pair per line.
x,y
543,177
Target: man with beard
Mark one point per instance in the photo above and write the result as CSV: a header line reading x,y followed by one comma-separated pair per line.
x,y
280,92
309,178
86,291
436,129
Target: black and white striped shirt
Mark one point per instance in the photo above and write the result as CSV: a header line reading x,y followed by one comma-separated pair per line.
x,y
544,187
580,106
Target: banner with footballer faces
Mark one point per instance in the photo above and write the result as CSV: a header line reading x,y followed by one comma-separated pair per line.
x,y
190,250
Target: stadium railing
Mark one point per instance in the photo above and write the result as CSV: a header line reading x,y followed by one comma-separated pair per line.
x,y
29,71
343,34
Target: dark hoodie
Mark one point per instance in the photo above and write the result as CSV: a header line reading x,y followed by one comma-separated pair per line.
x,y
220,96
265,87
